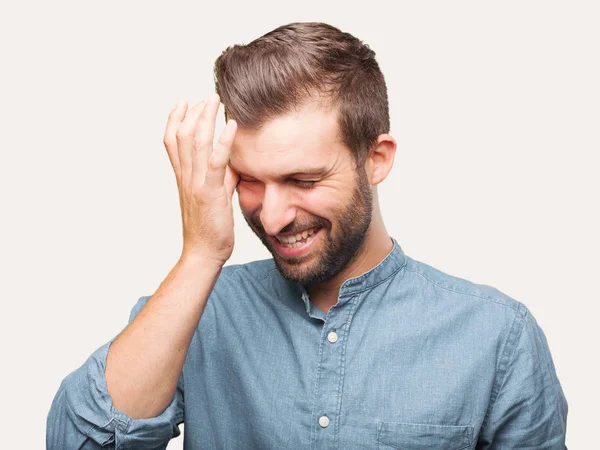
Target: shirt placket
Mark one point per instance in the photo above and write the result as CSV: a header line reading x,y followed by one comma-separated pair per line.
x,y
329,378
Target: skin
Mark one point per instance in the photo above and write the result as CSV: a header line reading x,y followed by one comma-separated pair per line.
x,y
339,197
145,361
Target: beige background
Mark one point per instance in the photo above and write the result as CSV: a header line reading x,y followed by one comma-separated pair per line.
x,y
495,108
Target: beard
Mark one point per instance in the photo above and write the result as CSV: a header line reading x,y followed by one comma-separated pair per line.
x,y
341,246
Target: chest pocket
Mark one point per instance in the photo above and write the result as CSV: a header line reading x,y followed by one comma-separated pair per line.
x,y
414,436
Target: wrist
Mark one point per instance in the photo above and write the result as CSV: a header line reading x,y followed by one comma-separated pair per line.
x,y
201,261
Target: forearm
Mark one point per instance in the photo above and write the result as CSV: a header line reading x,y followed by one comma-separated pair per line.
x,y
145,361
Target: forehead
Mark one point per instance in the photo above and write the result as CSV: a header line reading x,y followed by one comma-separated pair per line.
x,y
304,137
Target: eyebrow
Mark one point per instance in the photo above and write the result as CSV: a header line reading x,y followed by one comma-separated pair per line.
x,y
312,171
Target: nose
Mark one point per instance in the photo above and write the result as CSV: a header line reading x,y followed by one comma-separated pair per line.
x,y
276,212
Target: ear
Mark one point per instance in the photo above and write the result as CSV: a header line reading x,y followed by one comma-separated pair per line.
x,y
380,159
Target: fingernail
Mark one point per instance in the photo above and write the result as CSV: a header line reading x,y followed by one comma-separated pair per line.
x,y
180,104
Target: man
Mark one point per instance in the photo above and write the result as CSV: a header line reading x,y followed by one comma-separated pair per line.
x,y
341,340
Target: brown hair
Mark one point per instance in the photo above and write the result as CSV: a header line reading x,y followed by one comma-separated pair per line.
x,y
289,65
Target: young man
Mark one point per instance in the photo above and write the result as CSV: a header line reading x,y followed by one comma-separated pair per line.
x,y
341,340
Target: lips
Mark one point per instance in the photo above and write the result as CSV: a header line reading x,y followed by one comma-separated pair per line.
x,y
294,248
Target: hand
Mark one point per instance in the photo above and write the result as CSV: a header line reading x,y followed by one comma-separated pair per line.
x,y
205,181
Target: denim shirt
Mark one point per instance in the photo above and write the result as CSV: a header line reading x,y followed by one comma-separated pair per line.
x,y
408,358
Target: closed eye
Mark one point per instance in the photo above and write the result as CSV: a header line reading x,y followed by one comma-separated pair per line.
x,y
305,184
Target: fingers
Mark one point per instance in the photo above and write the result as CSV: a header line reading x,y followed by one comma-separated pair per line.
x,y
203,139
219,159
169,140
189,143
185,140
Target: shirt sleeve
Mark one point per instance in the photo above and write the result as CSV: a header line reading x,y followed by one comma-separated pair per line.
x,y
530,409
82,415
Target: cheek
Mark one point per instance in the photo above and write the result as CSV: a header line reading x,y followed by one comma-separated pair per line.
x,y
318,202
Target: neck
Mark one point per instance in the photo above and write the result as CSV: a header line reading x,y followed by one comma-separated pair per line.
x,y
375,248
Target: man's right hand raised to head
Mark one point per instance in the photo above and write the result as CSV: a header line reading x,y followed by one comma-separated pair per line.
x,y
145,361
204,179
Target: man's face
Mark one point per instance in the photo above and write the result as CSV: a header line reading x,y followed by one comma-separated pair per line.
x,y
301,194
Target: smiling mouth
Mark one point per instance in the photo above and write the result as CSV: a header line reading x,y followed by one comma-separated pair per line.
x,y
297,239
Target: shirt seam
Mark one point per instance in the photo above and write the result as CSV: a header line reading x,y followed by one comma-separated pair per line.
x,y
492,299
268,274
105,428
505,360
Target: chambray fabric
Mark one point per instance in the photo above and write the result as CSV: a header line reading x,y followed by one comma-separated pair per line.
x,y
422,360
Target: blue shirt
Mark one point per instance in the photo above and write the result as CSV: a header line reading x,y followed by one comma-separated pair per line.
x,y
408,358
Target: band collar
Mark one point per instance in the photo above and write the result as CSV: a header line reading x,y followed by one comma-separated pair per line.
x,y
388,266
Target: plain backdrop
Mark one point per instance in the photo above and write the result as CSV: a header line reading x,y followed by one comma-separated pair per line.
x,y
495,107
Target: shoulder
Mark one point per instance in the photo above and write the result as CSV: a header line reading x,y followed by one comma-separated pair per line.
x,y
256,270
497,320
253,280
234,278
246,277
460,289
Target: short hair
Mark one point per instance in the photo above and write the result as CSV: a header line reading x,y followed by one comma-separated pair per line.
x,y
288,66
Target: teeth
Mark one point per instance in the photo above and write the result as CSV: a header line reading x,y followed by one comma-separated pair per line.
x,y
293,240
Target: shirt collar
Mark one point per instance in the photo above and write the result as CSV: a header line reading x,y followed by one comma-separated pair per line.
x,y
387,267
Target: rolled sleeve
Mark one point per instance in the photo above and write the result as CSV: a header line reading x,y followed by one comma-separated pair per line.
x,y
82,415
530,410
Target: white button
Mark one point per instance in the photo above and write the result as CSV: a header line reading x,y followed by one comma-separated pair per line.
x,y
332,337
324,421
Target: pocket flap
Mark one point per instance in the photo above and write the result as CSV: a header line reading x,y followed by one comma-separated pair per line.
x,y
416,436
